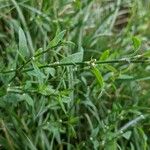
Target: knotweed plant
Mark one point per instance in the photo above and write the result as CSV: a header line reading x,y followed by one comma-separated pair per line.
x,y
74,74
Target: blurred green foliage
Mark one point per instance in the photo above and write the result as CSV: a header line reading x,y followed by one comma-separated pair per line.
x,y
46,104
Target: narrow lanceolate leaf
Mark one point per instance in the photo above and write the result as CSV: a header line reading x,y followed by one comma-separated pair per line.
x,y
30,143
98,76
125,77
23,48
73,58
62,105
104,55
28,99
58,38
136,43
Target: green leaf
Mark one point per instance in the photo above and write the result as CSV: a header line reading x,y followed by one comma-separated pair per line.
x,y
125,77
23,48
73,120
98,76
28,99
112,145
127,135
143,79
76,57
104,55
96,144
37,73
95,132
46,89
146,53
62,105
69,43
72,132
78,4
50,71
57,39
30,143
136,42
110,68
38,51
66,99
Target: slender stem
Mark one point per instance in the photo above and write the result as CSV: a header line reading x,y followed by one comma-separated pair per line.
x,y
19,69
90,63
37,55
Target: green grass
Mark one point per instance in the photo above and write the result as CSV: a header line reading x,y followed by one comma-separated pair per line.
x,y
74,74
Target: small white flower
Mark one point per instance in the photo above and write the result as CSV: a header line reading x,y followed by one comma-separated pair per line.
x,y
57,62
91,138
142,116
33,58
121,117
60,120
103,142
121,132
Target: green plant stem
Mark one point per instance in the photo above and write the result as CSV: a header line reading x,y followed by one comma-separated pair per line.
x,y
19,69
90,63
37,55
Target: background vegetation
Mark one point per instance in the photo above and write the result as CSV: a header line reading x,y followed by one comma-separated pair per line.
x,y
74,74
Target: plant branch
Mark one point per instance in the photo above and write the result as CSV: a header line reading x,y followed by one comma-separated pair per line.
x,y
90,63
19,69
